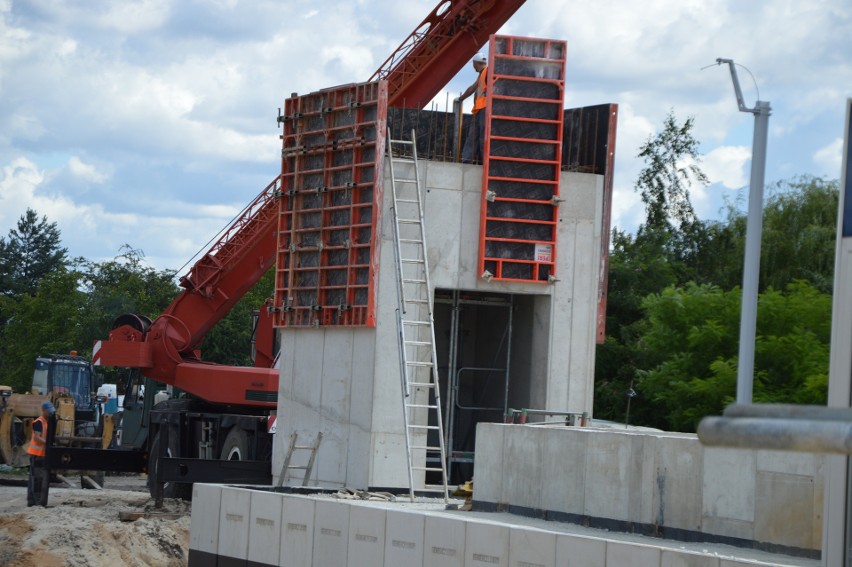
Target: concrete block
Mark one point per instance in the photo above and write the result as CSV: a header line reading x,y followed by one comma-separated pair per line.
x,y
788,462
366,536
404,537
619,554
331,533
363,362
678,484
443,236
642,475
486,544
204,526
298,520
727,527
488,485
234,525
729,480
522,451
608,463
337,368
578,551
264,527
389,467
443,175
819,504
679,558
582,196
531,548
563,463
784,509
468,268
443,541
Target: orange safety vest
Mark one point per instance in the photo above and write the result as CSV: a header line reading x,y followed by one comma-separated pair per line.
x,y
36,448
479,97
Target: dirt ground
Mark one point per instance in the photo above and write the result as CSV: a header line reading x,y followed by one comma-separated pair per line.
x,y
82,528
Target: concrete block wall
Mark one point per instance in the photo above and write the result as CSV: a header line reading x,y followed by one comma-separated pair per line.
x,y
345,382
654,483
302,531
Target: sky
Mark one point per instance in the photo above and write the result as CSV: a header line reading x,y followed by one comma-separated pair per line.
x,y
152,123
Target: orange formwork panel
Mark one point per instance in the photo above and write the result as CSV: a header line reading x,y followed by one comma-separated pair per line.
x,y
522,156
330,207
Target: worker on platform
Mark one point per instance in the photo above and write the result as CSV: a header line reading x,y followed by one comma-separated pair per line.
x,y
472,152
39,481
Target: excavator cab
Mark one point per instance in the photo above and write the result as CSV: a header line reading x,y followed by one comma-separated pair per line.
x,y
71,375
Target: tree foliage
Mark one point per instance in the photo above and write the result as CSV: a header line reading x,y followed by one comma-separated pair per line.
x,y
29,253
673,303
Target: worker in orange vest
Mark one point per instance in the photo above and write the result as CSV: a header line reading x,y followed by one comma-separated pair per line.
x,y
472,152
39,483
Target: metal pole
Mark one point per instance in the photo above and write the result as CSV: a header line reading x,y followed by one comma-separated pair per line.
x,y
751,262
754,229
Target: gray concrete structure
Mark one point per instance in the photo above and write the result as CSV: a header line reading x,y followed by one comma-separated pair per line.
x,y
654,481
345,382
321,531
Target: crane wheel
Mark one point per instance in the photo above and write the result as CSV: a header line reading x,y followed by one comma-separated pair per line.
x,y
170,489
236,445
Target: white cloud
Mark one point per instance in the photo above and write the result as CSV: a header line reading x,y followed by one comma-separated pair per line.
x,y
85,171
726,165
830,157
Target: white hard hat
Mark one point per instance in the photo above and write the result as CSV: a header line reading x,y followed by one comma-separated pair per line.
x,y
480,58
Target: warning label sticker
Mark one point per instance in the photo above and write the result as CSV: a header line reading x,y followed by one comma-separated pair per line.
x,y
544,253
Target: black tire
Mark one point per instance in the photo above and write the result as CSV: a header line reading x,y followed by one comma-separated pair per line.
x,y
236,445
180,490
97,477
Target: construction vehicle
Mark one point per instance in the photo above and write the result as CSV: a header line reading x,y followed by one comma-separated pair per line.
x,y
69,382
215,421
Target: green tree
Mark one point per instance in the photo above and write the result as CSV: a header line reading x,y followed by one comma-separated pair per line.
x,y
45,322
662,253
29,253
693,333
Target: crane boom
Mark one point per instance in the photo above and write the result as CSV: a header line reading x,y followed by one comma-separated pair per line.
x,y
166,349
439,47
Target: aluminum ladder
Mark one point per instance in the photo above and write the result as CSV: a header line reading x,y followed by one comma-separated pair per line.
x,y
308,468
421,395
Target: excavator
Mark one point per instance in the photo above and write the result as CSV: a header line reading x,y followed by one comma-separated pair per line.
x,y
68,381
214,423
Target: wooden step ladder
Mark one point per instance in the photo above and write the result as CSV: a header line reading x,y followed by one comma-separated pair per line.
x,y
421,396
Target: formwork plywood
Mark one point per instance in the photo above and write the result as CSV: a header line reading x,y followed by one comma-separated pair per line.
x,y
522,157
330,206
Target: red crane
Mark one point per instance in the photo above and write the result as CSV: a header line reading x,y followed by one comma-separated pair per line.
x,y
166,350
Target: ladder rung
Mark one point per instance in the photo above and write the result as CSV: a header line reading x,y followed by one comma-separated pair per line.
x,y
430,427
407,142
424,406
413,261
412,201
418,343
428,469
421,384
402,180
409,221
421,323
417,301
412,280
410,241
429,488
415,363
429,449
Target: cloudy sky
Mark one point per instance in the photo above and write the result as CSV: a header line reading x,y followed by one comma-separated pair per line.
x,y
152,122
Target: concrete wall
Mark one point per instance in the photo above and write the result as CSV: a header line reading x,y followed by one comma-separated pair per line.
x,y
656,480
267,528
346,382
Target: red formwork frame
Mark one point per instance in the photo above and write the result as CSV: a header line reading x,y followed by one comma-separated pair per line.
x,y
533,259
330,207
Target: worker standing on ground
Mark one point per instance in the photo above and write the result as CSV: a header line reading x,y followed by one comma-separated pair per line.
x,y
39,483
472,152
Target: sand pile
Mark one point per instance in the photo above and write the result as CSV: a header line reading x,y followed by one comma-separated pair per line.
x,y
82,528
